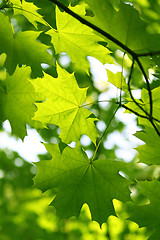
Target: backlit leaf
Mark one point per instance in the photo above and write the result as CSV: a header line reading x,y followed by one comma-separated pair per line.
x,y
17,98
63,106
29,10
75,181
22,48
77,40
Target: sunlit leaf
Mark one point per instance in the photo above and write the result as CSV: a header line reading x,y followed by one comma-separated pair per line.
x,y
29,10
63,106
17,96
22,48
77,40
75,181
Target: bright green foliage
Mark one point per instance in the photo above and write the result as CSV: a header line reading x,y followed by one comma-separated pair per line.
x,y
148,215
29,10
63,106
101,18
25,208
149,153
145,103
155,101
126,26
22,48
17,97
35,90
77,40
117,79
95,183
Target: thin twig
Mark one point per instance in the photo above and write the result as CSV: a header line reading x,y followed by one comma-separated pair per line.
x,y
113,39
129,89
155,127
94,27
120,98
124,47
148,86
100,140
132,111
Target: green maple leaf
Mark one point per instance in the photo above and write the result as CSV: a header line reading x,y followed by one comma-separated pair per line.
x,y
63,106
22,48
117,80
125,25
145,103
155,102
103,13
77,40
149,153
75,181
29,10
148,215
17,97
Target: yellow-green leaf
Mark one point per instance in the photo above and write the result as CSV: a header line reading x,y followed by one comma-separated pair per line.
x,y
77,40
17,97
63,106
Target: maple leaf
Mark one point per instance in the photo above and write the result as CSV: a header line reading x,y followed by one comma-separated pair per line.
x,y
145,103
148,215
63,106
22,48
155,102
77,40
76,180
117,80
103,13
17,97
125,25
149,153
29,10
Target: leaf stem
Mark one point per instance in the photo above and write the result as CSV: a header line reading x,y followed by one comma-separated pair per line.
x,y
100,140
120,98
148,85
101,101
129,89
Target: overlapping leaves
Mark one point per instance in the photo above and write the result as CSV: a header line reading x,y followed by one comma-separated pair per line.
x,y
148,215
77,40
149,153
125,25
27,9
145,103
73,178
22,48
17,97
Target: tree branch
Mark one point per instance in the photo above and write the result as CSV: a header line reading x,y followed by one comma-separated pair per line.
x,y
148,86
128,50
94,27
130,92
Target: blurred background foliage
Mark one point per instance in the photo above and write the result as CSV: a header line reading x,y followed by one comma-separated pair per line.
x,y
24,211
25,214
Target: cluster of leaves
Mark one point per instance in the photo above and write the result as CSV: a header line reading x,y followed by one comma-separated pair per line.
x,y
36,89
